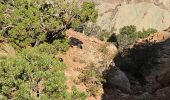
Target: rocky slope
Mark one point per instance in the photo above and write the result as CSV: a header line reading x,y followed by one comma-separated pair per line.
x,y
161,3
147,66
165,4
143,15
84,51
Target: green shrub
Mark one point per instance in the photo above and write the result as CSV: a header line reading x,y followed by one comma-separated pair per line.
x,y
92,29
104,35
32,22
128,30
32,75
93,79
128,35
54,48
146,33
86,13
77,94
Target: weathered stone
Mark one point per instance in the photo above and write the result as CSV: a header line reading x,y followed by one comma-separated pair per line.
x,y
116,78
143,15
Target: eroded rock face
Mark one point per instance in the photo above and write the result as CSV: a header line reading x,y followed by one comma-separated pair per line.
x,y
147,67
116,78
165,4
161,3
143,15
163,58
162,94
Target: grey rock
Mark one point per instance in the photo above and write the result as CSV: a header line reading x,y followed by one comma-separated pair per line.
x,y
144,96
117,78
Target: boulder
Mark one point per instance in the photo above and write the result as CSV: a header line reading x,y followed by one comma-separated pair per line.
x,y
162,94
117,79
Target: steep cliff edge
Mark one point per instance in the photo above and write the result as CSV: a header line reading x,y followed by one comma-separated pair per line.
x,y
145,64
147,67
84,51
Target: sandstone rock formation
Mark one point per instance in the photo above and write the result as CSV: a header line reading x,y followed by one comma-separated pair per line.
x,y
143,15
161,3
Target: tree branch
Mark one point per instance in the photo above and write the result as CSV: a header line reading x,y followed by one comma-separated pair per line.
x,y
64,26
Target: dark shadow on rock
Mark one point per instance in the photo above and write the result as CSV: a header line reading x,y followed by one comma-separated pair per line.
x,y
113,39
139,63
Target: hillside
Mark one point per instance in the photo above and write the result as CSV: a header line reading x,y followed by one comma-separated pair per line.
x,y
84,49
143,15
77,58
147,66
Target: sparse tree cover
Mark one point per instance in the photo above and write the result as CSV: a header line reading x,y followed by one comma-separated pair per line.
x,y
31,22
92,78
33,75
129,34
36,28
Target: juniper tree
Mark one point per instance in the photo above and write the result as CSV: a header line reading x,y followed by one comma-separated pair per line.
x,y
31,22
32,75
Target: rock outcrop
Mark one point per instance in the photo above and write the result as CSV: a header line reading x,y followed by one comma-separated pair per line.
x,y
143,15
116,78
85,51
165,4
147,66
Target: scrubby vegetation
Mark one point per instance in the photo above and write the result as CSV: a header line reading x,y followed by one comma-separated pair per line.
x,y
93,79
36,29
56,47
129,34
32,75
31,22
77,94
91,29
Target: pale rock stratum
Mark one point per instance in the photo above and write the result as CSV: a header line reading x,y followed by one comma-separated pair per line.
x,y
143,15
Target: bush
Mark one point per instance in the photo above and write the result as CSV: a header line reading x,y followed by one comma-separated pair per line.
x,y
104,35
87,13
35,73
93,79
92,29
129,34
32,75
58,46
77,95
128,30
146,33
31,22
